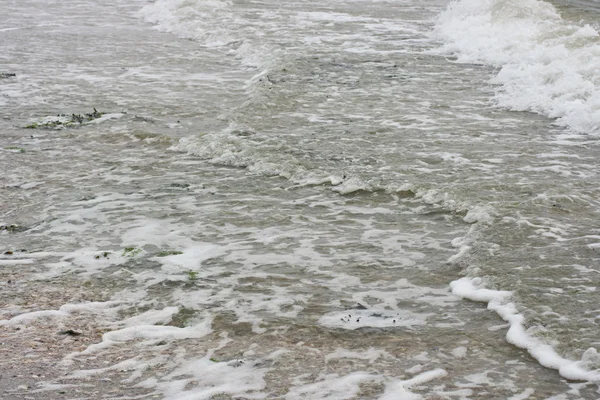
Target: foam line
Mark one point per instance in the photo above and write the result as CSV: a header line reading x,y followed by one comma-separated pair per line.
x,y
517,335
63,311
399,390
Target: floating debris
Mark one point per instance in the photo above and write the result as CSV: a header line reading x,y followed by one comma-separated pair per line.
x,y
103,255
180,185
369,318
236,363
65,120
167,253
13,228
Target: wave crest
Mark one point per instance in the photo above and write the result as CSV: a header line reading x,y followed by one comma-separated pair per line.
x,y
547,65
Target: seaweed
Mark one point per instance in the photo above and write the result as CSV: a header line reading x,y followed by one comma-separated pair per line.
x,y
192,275
64,120
12,228
168,253
131,251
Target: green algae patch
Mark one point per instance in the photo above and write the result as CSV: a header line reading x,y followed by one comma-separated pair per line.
x,y
131,251
192,275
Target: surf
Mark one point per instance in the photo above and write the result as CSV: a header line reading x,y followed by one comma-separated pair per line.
x,y
545,64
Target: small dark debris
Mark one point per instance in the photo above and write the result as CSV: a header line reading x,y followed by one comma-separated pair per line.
x,y
104,254
360,307
93,115
4,75
243,133
236,363
143,119
8,253
69,332
180,185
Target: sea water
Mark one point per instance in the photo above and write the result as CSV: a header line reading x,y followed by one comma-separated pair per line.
x,y
303,199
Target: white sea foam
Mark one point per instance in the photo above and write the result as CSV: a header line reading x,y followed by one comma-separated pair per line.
x,y
190,19
334,387
351,185
546,64
524,395
225,148
16,262
337,387
64,311
459,352
371,355
401,389
205,377
149,333
210,23
586,369
140,330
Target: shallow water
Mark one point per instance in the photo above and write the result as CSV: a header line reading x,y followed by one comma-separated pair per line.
x,y
281,193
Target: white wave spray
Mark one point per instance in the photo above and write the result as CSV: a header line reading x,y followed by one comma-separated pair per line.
x,y
547,65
